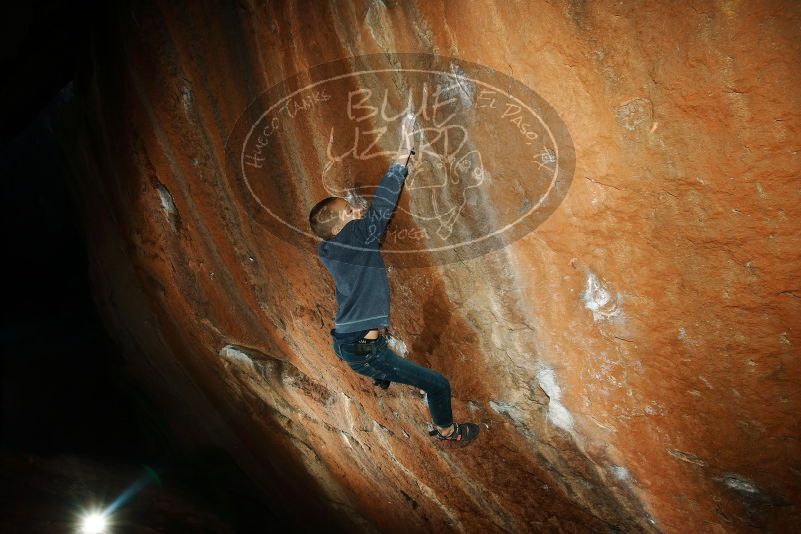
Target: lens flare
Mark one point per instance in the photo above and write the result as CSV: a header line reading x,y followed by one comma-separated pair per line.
x,y
94,523
96,518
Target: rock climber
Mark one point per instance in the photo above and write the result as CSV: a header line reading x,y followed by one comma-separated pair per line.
x,y
350,250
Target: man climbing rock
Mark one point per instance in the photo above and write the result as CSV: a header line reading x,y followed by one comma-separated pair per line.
x,y
350,250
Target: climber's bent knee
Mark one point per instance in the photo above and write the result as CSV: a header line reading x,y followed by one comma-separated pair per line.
x,y
439,384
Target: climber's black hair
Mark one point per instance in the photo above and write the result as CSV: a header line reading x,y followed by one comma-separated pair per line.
x,y
323,218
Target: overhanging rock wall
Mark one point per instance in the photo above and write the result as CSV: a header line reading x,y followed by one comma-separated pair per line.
x,y
632,358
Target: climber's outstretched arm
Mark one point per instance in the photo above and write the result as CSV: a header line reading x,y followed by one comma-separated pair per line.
x,y
388,191
384,200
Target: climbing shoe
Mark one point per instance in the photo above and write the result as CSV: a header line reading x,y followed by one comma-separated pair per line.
x,y
461,436
383,384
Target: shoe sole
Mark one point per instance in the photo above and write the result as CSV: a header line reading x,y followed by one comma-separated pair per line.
x,y
449,444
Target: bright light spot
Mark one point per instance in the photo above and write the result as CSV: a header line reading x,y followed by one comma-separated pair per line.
x,y
93,523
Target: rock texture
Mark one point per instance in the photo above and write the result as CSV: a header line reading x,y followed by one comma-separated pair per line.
x,y
633,361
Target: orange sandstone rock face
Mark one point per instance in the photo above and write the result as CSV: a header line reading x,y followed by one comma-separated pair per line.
x,y
631,354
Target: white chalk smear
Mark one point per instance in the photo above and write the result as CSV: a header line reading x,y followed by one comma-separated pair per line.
x,y
557,413
397,346
619,472
599,300
739,483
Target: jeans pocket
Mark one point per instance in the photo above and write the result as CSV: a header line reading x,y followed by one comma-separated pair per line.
x,y
356,361
361,367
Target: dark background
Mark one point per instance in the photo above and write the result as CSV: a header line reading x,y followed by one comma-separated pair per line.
x,y
65,390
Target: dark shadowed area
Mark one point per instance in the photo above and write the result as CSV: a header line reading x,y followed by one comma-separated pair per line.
x,y
77,429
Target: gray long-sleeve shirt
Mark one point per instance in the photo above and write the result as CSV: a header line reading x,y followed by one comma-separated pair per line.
x,y
354,260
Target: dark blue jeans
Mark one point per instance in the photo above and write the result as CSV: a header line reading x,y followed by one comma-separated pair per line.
x,y
377,361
